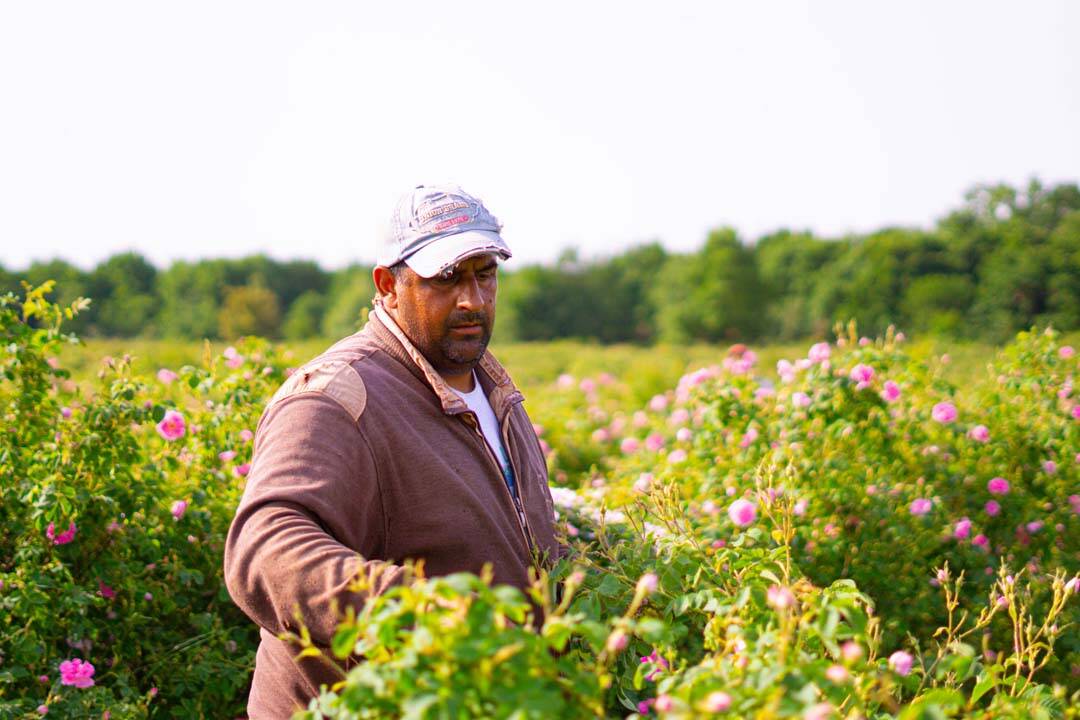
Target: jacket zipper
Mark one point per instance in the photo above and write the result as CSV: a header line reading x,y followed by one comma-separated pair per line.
x,y
520,499
522,520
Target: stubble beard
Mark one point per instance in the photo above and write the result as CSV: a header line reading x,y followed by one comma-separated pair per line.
x,y
461,356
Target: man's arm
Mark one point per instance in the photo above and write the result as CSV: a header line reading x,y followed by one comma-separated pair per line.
x,y
311,504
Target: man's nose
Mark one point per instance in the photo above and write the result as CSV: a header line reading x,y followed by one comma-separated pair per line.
x,y
470,295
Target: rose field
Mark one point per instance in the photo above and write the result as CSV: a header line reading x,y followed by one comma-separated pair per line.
x,y
864,527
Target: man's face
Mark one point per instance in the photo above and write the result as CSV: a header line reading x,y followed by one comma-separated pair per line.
x,y
449,317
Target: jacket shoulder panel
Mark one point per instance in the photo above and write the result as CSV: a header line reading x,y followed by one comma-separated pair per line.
x,y
338,380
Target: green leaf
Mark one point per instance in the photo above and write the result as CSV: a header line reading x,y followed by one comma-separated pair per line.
x,y
345,640
610,586
987,682
937,703
557,632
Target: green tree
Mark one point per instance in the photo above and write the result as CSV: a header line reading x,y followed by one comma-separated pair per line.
x,y
351,292
249,310
937,303
304,318
790,265
122,288
190,296
711,296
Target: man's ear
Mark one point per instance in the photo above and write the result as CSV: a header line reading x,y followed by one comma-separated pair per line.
x,y
385,286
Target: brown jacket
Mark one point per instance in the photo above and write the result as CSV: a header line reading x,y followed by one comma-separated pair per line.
x,y
363,459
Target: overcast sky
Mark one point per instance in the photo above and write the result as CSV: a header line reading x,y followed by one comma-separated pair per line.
x,y
187,130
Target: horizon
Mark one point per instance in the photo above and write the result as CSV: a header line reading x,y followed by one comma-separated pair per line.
x,y
544,262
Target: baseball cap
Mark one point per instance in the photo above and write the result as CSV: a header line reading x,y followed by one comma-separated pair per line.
x,y
436,226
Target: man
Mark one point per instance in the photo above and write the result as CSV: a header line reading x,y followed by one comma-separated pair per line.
x,y
405,441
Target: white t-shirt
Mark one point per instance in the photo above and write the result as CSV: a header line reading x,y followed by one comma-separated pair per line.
x,y
489,425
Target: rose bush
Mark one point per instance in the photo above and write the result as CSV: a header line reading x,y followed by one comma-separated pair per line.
x,y
850,536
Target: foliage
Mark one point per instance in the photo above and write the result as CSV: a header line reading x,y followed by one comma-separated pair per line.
x,y
819,546
249,310
1004,260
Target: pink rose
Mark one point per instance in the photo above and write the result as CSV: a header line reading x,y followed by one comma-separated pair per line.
x,y
654,442
63,538
998,486
717,701
920,506
166,376
820,711
891,391
617,641
742,512
819,352
172,426
178,509
901,662
979,433
76,672
837,674
862,374
779,597
105,591
944,412
233,359
647,584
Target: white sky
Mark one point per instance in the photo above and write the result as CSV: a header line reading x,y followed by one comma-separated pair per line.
x,y
198,129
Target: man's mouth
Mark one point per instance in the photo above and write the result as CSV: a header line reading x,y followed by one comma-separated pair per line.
x,y
468,329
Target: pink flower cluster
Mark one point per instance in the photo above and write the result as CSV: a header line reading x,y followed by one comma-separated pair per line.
x,y
819,352
233,359
863,375
61,538
921,506
659,665
77,672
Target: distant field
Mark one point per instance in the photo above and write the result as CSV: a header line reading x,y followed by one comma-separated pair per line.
x,y
647,370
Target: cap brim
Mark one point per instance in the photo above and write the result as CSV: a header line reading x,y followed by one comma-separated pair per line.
x,y
449,250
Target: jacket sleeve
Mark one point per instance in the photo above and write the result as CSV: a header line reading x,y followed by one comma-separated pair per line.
x,y
309,515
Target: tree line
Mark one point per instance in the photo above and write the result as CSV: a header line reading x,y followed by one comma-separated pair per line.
x,y
1006,259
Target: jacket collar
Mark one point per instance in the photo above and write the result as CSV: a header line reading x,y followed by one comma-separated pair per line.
x,y
500,389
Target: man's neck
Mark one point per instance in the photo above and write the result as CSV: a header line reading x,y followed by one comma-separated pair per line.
x,y
461,382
